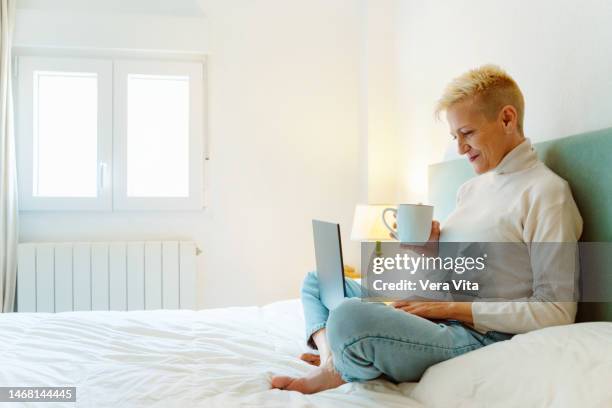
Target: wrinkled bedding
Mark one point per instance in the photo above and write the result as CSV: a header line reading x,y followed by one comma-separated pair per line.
x,y
171,358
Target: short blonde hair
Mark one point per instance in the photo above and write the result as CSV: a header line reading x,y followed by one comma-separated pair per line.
x,y
492,87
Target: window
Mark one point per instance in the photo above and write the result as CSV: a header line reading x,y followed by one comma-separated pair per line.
x,y
157,132
99,134
64,133
158,135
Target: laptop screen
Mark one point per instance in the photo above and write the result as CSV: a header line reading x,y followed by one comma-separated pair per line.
x,y
330,267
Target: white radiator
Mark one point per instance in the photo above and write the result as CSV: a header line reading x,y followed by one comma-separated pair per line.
x,y
57,277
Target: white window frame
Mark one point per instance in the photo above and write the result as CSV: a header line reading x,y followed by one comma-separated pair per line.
x,y
112,129
122,68
26,133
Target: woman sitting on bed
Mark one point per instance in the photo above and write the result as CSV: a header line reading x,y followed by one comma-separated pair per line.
x,y
515,198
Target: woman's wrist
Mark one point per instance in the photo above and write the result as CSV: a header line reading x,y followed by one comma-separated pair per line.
x,y
461,311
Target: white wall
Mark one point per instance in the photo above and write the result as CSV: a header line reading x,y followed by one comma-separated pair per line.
x,y
284,138
559,51
177,25
380,101
284,126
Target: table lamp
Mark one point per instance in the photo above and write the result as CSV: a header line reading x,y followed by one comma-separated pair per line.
x,y
368,225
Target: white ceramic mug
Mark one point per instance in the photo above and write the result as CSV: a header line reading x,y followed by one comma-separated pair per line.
x,y
413,222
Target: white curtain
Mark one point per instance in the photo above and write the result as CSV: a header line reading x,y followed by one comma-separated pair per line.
x,y
8,165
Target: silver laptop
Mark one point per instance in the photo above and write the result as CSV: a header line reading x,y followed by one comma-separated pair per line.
x,y
330,267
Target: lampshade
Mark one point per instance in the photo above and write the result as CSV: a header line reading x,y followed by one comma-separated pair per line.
x,y
368,224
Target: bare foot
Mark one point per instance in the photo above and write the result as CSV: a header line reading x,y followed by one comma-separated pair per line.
x,y
312,359
323,378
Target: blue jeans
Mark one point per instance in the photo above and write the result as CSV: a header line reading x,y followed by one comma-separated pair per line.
x,y
368,340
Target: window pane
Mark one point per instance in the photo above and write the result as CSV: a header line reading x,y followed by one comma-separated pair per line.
x,y
65,134
158,136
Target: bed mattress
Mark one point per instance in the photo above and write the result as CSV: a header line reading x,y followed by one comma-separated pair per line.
x,y
165,358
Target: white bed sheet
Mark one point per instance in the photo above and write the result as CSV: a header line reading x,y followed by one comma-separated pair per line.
x,y
218,357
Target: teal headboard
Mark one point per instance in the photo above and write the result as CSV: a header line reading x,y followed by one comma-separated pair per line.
x,y
585,161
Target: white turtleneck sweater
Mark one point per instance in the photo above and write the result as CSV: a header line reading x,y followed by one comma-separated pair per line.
x,y
520,201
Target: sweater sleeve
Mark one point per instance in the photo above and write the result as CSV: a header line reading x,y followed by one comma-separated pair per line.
x,y
552,227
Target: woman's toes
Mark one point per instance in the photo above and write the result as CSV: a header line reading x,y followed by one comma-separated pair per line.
x,y
310,358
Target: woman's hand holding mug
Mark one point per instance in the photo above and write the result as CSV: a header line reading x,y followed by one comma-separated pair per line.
x,y
415,228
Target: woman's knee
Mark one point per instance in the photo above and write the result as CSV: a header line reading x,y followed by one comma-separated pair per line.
x,y
351,320
310,284
310,278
